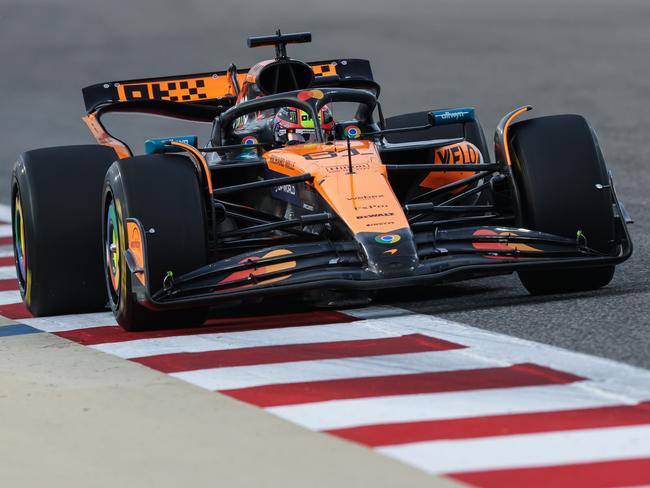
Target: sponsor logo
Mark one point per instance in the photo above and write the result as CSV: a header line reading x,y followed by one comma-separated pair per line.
x,y
387,238
290,189
366,197
282,162
188,90
451,116
390,251
342,168
372,216
286,193
249,140
352,132
463,153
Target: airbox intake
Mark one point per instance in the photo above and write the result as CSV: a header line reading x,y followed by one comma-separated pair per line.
x,y
284,75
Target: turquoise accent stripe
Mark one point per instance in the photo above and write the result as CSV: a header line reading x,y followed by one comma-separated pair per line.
x,y
17,329
452,116
156,146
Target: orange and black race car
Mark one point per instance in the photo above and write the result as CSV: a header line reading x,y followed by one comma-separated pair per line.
x,y
290,197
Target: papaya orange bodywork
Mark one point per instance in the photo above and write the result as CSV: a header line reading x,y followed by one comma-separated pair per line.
x,y
136,248
200,161
104,138
512,117
363,199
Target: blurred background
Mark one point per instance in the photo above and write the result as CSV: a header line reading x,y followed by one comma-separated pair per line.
x,y
561,56
585,56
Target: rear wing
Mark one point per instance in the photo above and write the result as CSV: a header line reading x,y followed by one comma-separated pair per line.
x,y
215,88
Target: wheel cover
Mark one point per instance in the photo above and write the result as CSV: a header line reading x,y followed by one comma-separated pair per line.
x,y
112,247
19,241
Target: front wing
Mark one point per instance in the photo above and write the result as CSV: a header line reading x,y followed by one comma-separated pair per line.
x,y
442,256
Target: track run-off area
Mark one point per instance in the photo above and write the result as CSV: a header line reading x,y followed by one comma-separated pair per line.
x,y
447,398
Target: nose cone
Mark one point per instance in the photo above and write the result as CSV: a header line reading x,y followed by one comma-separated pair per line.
x,y
391,254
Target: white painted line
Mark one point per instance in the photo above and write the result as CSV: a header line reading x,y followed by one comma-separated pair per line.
x,y
615,378
7,272
5,230
6,251
529,450
235,340
5,213
61,323
8,297
338,414
331,369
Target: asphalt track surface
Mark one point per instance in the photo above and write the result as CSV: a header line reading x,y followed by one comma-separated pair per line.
x,y
582,56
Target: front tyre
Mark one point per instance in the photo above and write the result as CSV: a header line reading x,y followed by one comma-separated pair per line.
x,y
557,164
163,193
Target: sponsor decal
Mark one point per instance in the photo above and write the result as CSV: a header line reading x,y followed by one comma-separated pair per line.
x,y
343,168
452,116
382,224
287,189
390,251
372,216
352,132
180,90
282,162
286,193
462,153
249,140
387,238
365,197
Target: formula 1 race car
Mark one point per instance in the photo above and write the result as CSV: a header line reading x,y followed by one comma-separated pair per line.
x,y
288,200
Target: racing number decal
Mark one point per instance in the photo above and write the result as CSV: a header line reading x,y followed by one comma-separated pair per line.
x,y
315,156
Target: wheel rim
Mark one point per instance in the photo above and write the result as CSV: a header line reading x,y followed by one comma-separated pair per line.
x,y
112,247
19,241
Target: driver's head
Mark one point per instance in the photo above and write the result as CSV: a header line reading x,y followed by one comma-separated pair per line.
x,y
295,125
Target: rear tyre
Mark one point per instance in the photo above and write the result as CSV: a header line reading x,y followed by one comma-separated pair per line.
x,y
56,217
163,193
557,164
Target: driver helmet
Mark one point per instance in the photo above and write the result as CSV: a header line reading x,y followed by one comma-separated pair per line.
x,y
292,125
